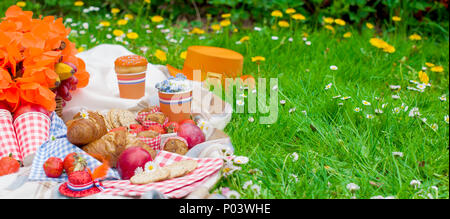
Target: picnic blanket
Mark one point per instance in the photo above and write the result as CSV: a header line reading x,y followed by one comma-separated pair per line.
x,y
102,93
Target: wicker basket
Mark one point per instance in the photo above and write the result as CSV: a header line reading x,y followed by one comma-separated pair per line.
x,y
59,106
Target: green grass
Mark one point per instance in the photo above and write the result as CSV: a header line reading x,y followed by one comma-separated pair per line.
x,y
344,146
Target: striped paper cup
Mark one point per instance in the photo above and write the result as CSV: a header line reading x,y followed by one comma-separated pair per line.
x,y
176,106
131,86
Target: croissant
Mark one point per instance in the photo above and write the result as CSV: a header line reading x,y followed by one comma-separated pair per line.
x,y
111,145
84,130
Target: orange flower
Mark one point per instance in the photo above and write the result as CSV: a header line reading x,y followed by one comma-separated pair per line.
x,y
38,44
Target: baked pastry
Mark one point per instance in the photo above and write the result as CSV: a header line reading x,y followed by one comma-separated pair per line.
x,y
111,145
147,134
176,145
116,118
156,117
85,127
174,170
130,64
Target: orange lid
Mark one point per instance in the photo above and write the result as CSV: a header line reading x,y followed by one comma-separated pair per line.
x,y
131,60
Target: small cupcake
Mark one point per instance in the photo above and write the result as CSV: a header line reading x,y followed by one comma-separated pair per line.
x,y
176,145
130,64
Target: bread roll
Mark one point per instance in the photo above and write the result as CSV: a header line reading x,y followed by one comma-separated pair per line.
x,y
84,130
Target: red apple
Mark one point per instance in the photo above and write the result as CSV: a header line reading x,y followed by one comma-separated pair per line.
x,y
28,107
130,159
192,133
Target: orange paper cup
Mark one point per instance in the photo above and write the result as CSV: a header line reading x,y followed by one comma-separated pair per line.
x,y
131,86
176,106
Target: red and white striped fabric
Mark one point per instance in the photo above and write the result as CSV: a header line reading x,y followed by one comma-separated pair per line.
x,y
8,138
32,131
173,188
154,143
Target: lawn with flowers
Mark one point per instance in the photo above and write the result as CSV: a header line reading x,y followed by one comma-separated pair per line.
x,y
363,109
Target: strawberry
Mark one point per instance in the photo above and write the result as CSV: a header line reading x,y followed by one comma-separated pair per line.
x,y
53,167
135,126
171,127
8,165
156,128
74,162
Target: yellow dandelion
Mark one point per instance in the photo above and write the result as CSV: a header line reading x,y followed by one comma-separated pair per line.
x,y
132,35
283,23
129,16
415,37
347,35
114,11
396,18
235,30
429,64
216,27
304,34
245,38
369,25
298,17
277,13
423,77
21,4
437,69
226,15
329,27
258,59
78,3
148,1
161,55
197,30
389,49
290,11
118,33
122,22
340,22
183,55
328,20
157,19
225,23
105,23
379,43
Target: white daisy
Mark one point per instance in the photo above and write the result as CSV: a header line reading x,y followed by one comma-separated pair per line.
x,y
85,25
421,86
291,110
138,170
357,109
304,112
400,154
395,87
395,97
415,183
241,160
384,105
294,156
366,103
414,112
150,166
443,98
304,39
340,104
346,98
233,194
396,110
274,38
282,102
291,39
308,43
352,187
333,67
328,86
370,116
240,102
336,96
251,119
257,28
434,127
160,26
293,176
108,36
256,189
247,184
446,119
378,111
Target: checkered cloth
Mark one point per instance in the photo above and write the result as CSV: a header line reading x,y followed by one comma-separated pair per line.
x,y
32,129
8,138
59,146
154,143
173,188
